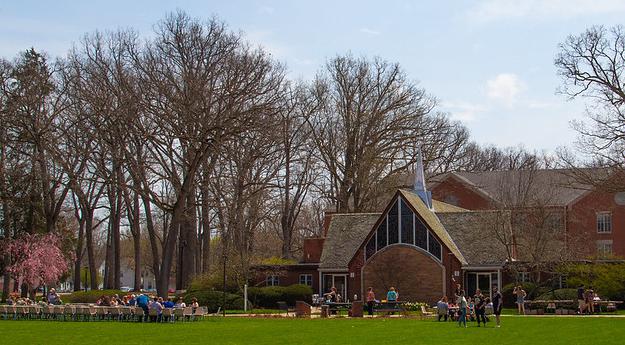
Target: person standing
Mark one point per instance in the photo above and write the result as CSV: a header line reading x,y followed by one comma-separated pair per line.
x,y
480,307
462,309
497,305
520,298
589,297
581,299
442,308
370,300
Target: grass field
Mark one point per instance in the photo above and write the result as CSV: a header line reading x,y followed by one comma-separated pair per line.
x,y
514,330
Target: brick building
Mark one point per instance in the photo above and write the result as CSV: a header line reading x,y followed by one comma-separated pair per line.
x,y
418,245
593,220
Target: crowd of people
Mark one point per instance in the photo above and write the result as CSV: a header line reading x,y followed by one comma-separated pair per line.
x,y
463,308
142,301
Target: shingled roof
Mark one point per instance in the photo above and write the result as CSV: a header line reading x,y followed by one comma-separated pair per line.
x,y
554,187
346,233
474,234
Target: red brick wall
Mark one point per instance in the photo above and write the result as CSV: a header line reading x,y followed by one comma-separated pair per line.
x,y
582,224
312,250
415,275
457,193
288,275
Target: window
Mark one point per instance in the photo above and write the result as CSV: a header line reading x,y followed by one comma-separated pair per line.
x,y
421,234
273,280
382,234
370,249
435,247
393,233
604,248
523,277
604,222
305,279
407,235
402,225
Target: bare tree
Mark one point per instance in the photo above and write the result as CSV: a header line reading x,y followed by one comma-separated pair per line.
x,y
370,121
591,65
200,86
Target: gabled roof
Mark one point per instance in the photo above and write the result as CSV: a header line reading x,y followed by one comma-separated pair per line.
x,y
433,223
346,233
552,187
474,233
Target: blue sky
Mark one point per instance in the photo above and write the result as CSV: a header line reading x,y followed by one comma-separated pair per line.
x,y
489,63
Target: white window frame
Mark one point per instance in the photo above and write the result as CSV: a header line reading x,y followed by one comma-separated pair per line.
x,y
604,248
307,279
524,277
604,222
272,280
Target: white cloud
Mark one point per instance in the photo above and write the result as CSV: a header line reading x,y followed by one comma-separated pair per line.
x,y
463,111
369,31
505,88
489,10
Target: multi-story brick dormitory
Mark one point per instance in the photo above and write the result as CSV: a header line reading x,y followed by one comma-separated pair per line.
x,y
592,219
482,227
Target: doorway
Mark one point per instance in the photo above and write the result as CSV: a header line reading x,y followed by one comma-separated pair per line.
x,y
339,281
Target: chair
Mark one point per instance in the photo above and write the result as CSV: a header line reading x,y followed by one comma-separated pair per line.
x,y
12,311
59,311
168,314
154,316
178,314
217,313
126,313
93,312
4,312
79,312
200,313
187,313
114,313
68,311
139,313
47,311
33,312
425,313
23,310
101,313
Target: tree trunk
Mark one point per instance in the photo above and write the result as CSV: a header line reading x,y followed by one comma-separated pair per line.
x,y
206,231
78,253
93,281
6,281
137,240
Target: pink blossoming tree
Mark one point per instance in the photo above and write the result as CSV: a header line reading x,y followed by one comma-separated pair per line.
x,y
36,260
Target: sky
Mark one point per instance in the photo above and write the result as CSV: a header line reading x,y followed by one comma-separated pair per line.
x,y
488,63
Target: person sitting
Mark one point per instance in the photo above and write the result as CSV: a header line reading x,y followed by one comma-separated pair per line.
x,y
169,304
180,303
392,295
132,301
194,304
43,302
156,305
10,300
53,297
124,301
332,296
442,308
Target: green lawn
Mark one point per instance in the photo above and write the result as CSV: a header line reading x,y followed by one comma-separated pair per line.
x,y
515,330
